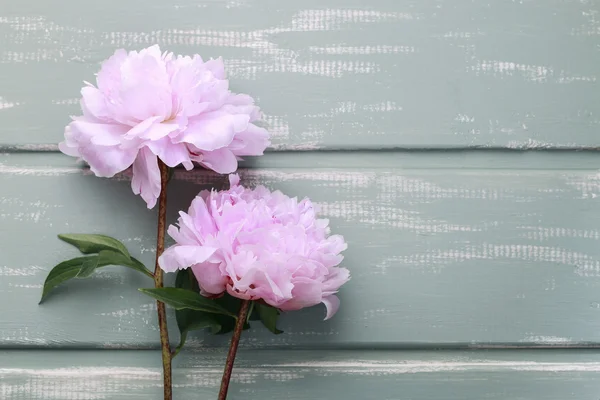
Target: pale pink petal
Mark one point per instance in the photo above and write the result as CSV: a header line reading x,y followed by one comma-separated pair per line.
x,y
202,220
94,102
213,131
170,153
182,257
146,177
109,76
158,131
332,304
142,127
97,133
305,293
335,278
210,279
217,67
106,161
234,180
222,161
251,142
69,150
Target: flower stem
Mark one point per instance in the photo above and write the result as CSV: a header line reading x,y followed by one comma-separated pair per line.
x,y
158,282
235,340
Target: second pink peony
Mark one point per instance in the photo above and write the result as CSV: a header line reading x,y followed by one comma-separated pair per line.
x,y
259,245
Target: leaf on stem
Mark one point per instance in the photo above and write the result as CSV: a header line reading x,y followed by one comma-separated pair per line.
x,y
82,267
88,267
185,299
268,316
191,320
88,244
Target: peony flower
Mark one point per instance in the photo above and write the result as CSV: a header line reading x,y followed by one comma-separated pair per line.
x,y
257,244
152,105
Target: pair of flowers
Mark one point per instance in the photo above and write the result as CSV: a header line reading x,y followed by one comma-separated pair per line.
x,y
153,110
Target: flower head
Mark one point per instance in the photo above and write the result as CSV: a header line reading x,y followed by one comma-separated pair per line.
x,y
150,105
257,244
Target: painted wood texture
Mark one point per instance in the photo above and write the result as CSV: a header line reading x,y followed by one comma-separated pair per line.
x,y
96,375
443,252
333,73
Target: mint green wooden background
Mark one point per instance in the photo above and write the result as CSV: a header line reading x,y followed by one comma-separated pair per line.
x,y
452,142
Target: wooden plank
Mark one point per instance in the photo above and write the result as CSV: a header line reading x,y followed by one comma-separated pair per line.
x,y
442,251
331,73
524,375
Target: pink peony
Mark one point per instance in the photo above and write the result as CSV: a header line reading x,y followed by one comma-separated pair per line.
x,y
258,244
151,105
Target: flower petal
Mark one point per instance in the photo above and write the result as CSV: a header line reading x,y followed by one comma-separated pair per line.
x,y
332,304
214,130
170,153
142,127
251,142
209,277
146,177
94,102
222,161
182,257
97,133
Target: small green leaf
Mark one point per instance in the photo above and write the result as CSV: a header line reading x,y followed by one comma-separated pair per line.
x,y
94,243
250,311
192,320
67,270
170,173
268,316
185,299
112,258
82,267
254,316
88,267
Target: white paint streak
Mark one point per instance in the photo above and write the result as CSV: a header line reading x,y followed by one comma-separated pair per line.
x,y
66,102
548,340
10,271
464,118
38,171
362,50
351,107
531,73
5,104
25,286
540,233
416,366
583,264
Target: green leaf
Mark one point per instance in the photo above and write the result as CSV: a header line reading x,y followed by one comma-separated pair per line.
x,y
82,267
268,316
94,243
67,270
88,267
254,316
170,173
185,299
250,311
112,258
192,320
185,280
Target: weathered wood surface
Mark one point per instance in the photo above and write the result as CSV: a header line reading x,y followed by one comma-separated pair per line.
x,y
331,73
295,375
443,252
